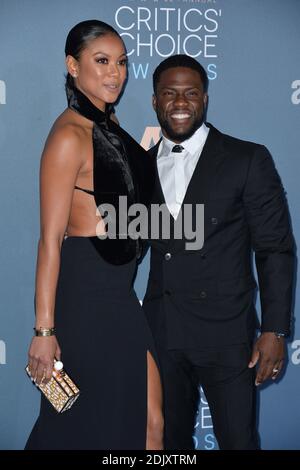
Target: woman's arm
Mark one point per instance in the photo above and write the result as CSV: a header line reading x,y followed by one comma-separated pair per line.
x,y
60,164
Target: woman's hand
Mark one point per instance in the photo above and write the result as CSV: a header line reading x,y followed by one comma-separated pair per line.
x,y
42,351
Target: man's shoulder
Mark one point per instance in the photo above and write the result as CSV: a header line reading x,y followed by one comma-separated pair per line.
x,y
231,143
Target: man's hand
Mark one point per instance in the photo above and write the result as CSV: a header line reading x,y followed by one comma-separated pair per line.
x,y
269,351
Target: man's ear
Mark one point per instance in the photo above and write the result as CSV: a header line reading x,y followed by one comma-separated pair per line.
x,y
154,102
72,66
205,100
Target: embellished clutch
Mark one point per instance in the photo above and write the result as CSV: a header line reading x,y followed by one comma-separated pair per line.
x,y
60,390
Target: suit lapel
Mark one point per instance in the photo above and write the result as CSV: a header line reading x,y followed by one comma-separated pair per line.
x,y
202,181
158,195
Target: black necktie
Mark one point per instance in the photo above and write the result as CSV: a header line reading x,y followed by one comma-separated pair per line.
x,y
177,149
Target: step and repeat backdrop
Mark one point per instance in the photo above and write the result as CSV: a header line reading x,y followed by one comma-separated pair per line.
x,y
250,49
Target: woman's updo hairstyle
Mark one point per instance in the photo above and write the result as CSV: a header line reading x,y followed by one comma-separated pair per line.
x,y
78,38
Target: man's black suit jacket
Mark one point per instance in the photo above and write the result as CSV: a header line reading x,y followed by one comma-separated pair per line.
x,y
206,298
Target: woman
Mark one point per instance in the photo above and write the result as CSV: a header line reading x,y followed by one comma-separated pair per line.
x,y
85,302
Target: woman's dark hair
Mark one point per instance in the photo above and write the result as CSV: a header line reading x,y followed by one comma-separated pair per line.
x,y
80,35
180,60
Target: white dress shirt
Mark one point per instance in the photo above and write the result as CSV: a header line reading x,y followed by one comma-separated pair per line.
x,y
176,169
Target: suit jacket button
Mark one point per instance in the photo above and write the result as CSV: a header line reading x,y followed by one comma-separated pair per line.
x,y
214,220
203,295
168,256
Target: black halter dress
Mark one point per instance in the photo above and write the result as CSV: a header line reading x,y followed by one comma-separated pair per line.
x,y
101,327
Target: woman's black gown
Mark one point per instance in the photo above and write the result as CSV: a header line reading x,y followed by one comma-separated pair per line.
x,y
104,338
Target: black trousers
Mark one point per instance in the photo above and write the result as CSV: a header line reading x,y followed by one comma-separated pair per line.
x,y
229,388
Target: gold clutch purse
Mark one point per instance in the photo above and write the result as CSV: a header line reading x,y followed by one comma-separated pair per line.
x,y
60,390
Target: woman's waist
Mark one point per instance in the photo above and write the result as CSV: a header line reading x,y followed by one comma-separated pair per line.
x,y
80,259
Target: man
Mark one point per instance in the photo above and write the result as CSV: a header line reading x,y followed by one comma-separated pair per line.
x,y
200,303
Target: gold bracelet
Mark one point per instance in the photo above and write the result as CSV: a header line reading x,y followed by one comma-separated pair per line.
x,y
44,331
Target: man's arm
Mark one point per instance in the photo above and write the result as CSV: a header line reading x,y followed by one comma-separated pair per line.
x,y
272,240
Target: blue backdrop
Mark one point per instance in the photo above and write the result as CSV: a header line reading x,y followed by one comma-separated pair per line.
x,y
250,49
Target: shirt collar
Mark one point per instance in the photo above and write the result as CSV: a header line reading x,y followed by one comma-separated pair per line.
x,y
192,144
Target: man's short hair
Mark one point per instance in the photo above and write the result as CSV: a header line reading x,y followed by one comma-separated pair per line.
x,y
180,60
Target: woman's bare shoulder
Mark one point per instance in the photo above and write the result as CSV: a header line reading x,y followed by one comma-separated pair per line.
x,y
72,125
68,135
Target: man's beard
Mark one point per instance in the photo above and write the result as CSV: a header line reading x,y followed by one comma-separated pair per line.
x,y
179,137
